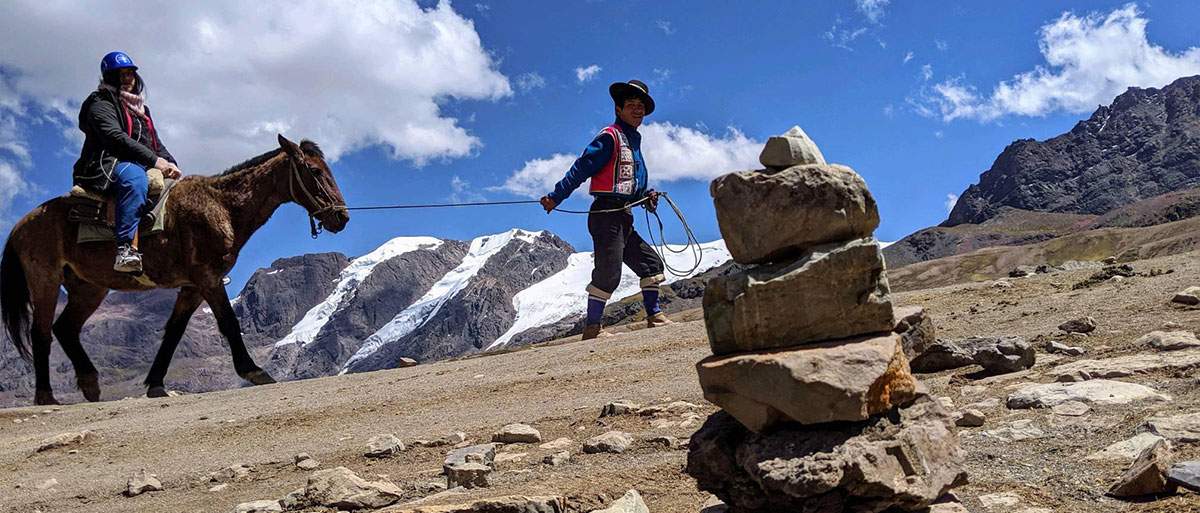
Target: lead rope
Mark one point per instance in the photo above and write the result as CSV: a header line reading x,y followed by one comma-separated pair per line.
x,y
692,244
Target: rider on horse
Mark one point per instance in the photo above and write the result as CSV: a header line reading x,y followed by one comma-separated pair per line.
x,y
120,145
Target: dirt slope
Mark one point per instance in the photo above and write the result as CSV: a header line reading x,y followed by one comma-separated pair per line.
x,y
559,389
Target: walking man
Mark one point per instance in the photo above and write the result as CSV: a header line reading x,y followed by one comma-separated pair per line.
x,y
613,162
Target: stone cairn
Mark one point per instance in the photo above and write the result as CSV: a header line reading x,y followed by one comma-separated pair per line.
x,y
821,412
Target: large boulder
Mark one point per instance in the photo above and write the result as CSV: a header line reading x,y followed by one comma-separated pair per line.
x,y
1169,340
517,434
1122,366
631,502
486,452
793,148
905,459
507,504
1180,428
833,381
834,291
767,216
915,328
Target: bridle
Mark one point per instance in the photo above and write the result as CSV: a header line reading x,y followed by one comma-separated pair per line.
x,y
314,222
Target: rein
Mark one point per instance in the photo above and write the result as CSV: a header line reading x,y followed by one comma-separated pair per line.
x,y
314,223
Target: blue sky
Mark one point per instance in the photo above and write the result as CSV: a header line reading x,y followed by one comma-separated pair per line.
x,y
469,101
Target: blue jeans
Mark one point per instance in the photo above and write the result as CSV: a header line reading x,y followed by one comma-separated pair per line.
x,y
131,186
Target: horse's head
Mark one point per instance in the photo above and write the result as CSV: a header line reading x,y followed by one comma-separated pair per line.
x,y
312,186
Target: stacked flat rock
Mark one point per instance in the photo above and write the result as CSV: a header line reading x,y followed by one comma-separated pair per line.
x,y
821,411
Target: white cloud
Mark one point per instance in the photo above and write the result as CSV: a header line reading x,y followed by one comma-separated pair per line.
x,y
665,26
889,111
951,199
842,37
11,184
462,191
672,153
941,45
938,134
1089,60
529,81
908,57
661,76
873,9
583,74
926,71
223,76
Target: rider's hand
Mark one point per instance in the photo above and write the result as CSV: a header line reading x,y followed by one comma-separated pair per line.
x,y
168,169
548,204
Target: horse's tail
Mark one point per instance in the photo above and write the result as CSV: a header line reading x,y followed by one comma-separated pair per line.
x,y
14,298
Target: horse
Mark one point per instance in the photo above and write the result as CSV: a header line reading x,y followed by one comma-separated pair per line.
x,y
208,220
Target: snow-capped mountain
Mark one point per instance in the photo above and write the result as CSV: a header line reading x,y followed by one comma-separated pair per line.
x,y
429,299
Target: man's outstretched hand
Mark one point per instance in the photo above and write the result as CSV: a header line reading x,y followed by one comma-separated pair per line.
x,y
548,204
652,205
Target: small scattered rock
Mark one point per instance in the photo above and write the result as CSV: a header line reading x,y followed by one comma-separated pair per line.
x,y
1189,296
1002,284
1022,271
383,446
612,441
1097,391
998,501
47,484
1071,409
64,440
309,464
663,423
618,408
1169,340
405,362
1017,431
557,459
258,507
294,500
73,451
1179,428
970,418
1081,325
1185,474
1171,325
511,457
669,442
218,488
456,437
558,444
1147,475
793,148
341,488
631,502
459,456
1126,450
1060,348
229,473
468,475
517,434
142,483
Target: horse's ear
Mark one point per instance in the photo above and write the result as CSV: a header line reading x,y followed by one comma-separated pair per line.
x,y
289,147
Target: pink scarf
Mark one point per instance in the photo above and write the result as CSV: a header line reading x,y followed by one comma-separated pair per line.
x,y
135,102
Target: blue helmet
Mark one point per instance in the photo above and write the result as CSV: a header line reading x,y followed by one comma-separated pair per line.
x,y
116,60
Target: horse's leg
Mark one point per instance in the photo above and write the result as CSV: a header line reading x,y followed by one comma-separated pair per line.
x,y
82,301
43,300
227,322
185,304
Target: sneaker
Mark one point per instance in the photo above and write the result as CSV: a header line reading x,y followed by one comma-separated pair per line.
x,y
128,259
595,331
658,319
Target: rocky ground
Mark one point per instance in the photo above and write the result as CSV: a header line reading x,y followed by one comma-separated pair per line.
x,y
560,389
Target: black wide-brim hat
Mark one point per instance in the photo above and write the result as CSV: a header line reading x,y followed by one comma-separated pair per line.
x,y
632,88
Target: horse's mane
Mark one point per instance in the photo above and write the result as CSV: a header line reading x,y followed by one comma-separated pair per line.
x,y
308,147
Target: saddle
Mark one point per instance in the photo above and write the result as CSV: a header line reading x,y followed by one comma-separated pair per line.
x,y
96,212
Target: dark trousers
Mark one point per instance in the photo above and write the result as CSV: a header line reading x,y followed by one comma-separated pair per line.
x,y
616,242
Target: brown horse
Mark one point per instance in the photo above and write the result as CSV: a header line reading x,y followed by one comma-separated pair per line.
x,y
208,221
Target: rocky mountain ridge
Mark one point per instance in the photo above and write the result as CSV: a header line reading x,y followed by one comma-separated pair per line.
x,y
1135,162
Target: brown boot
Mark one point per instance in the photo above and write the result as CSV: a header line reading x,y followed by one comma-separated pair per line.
x,y
658,319
595,331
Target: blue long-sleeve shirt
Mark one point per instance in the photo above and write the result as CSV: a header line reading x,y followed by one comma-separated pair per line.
x,y
593,159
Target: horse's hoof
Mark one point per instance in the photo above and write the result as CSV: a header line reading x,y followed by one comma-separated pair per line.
x,y
156,392
89,385
44,398
258,377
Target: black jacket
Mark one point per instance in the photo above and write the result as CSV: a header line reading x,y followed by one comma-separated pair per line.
x,y
109,138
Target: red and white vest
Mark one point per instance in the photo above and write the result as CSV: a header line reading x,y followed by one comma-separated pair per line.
x,y
618,175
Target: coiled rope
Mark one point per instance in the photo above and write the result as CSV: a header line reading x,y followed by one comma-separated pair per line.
x,y
692,243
